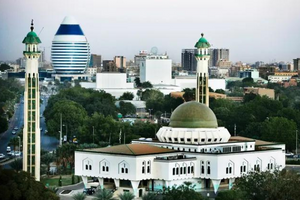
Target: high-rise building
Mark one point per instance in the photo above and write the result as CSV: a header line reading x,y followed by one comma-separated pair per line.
x,y
140,58
296,64
156,69
120,62
31,131
109,66
95,60
70,53
188,59
202,57
218,54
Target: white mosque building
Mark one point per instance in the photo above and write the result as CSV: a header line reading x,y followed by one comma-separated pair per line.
x,y
192,148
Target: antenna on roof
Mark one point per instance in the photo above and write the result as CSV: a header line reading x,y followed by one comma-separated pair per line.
x,y
41,31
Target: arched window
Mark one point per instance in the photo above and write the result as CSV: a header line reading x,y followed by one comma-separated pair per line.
x,y
104,166
123,167
148,167
202,167
208,167
87,164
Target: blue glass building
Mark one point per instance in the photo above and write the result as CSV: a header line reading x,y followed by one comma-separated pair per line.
x,y
70,53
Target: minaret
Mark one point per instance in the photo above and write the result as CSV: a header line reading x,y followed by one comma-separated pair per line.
x,y
31,131
202,57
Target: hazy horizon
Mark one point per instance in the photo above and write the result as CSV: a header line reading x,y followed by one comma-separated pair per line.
x,y
256,30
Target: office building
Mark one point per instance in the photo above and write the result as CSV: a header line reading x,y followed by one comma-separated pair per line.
x,y
188,60
95,61
70,53
296,64
31,130
109,66
141,57
120,62
218,54
156,69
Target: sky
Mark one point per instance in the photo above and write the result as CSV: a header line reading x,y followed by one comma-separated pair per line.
x,y
253,30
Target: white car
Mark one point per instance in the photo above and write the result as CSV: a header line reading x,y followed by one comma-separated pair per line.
x,y
2,156
17,153
8,149
14,132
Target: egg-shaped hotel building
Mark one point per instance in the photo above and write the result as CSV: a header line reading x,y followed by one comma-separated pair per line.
x,y
70,53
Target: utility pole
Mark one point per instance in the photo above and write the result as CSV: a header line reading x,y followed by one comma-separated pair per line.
x,y
60,132
296,142
93,134
234,129
124,137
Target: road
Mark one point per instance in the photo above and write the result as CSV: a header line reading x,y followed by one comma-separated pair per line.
x,y
47,143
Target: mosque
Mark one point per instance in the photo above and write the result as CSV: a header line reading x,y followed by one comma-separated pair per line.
x,y
193,148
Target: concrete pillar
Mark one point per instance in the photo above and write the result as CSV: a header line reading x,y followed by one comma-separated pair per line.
x,y
135,185
216,184
117,183
84,180
101,184
230,184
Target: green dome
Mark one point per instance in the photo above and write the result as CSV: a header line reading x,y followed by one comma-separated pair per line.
x,y
202,43
31,38
193,115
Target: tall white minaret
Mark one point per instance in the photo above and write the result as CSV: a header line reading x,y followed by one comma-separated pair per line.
x,y
31,131
202,57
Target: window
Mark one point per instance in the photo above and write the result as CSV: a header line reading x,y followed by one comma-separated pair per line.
x,y
181,170
175,139
173,171
189,169
188,139
209,139
86,167
192,169
202,170
208,169
90,167
215,139
202,140
170,139
195,140
148,169
182,139
177,171
123,167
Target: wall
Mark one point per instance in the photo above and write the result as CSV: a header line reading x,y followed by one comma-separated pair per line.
x,y
112,81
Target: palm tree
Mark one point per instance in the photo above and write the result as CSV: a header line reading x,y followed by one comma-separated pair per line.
x,y
104,194
126,196
79,196
149,196
14,142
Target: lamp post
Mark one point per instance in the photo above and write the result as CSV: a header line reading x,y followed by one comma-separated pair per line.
x,y
296,142
60,132
150,113
93,134
66,131
19,145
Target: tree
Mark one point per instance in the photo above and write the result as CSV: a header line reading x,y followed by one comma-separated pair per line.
x,y
151,94
14,142
220,91
126,196
182,192
189,94
4,67
126,108
47,159
104,194
149,196
73,115
79,196
137,82
230,195
279,185
3,124
280,129
17,164
127,96
147,84
22,186
65,155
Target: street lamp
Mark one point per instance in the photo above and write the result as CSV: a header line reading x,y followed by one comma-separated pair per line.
x,y
93,134
66,130
19,145
150,112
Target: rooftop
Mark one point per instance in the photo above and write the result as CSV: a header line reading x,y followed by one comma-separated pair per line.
x,y
131,149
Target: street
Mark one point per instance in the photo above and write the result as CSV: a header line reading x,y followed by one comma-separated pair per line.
x,y
47,143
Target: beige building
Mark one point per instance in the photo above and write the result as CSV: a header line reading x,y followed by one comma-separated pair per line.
x,y
260,91
120,62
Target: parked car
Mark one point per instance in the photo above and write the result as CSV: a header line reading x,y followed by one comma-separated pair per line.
x,y
17,153
89,191
8,149
14,132
16,128
2,156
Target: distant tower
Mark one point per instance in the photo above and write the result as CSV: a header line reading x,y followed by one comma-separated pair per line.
x,y
202,57
31,131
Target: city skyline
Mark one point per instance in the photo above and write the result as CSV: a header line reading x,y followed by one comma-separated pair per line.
x,y
252,30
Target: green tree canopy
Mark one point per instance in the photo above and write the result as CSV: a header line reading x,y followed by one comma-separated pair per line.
x,y
189,94
182,192
127,96
127,108
22,186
